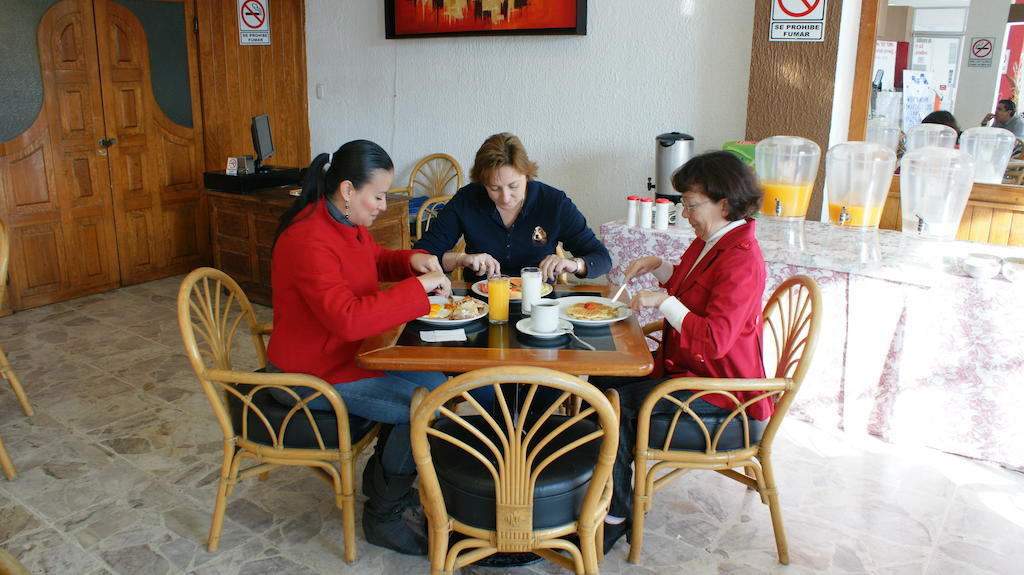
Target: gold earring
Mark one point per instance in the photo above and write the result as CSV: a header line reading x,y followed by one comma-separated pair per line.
x,y
345,211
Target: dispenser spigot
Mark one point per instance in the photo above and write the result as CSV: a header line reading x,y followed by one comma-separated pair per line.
x,y
650,185
922,226
778,207
844,216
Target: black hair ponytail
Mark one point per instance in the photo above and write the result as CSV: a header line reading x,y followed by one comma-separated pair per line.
x,y
355,161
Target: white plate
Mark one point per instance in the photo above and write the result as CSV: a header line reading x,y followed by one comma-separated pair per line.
x,y
525,325
565,302
480,288
450,322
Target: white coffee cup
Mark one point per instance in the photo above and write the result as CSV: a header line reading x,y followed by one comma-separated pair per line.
x,y
544,316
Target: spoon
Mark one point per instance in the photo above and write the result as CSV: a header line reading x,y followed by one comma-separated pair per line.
x,y
573,335
619,292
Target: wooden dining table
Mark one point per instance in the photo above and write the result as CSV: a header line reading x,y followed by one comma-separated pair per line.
x,y
621,347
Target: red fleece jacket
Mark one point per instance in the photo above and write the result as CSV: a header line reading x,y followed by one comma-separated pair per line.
x,y
325,277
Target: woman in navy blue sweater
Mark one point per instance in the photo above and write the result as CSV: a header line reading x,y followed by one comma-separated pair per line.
x,y
510,221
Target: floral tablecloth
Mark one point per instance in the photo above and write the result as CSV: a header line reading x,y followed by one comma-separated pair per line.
x,y
912,350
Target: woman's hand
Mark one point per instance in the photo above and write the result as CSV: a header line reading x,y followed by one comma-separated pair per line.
x,y
553,265
482,264
644,299
641,266
436,283
423,263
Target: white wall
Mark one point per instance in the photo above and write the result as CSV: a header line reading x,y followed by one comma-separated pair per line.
x,y
976,91
586,107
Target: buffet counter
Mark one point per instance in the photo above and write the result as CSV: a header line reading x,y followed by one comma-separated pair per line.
x,y
911,350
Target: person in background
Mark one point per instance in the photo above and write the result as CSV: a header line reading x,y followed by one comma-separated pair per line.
x,y
712,309
326,271
945,118
510,220
1006,117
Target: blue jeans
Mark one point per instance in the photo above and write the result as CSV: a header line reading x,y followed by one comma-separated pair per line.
x,y
385,399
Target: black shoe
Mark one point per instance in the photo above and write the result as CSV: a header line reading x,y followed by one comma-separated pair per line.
x,y
613,533
396,531
391,517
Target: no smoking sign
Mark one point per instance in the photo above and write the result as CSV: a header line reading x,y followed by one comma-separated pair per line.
x,y
798,21
981,52
253,22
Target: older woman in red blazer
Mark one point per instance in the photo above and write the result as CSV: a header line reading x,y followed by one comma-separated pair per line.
x,y
712,306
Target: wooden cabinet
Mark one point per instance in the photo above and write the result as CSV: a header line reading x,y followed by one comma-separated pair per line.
x,y
242,228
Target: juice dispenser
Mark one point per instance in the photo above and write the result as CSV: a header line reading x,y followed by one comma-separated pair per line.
x,y
787,167
934,186
991,149
882,131
858,175
938,135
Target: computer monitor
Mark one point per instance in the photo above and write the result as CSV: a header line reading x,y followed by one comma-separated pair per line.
x,y
261,140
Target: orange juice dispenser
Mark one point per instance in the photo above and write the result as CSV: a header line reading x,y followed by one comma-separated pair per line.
x,y
934,186
857,177
787,167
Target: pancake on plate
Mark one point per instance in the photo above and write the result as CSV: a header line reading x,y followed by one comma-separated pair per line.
x,y
592,311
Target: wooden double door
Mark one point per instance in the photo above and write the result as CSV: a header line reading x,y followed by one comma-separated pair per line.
x,y
102,189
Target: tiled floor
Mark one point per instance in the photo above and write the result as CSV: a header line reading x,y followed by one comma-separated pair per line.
x,y
119,466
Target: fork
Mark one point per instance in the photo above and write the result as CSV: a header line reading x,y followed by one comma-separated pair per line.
x,y
579,340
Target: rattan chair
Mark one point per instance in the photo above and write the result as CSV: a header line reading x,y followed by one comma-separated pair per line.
x,y
6,371
257,429
680,442
436,175
5,462
428,211
9,565
506,482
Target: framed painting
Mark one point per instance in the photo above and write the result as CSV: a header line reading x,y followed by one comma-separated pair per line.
x,y
431,18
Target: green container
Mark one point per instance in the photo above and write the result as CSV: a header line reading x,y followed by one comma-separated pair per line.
x,y
744,149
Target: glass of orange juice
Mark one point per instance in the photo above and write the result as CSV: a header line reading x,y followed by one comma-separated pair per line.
x,y
787,167
498,287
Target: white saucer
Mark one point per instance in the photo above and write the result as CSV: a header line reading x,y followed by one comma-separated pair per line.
x,y
524,325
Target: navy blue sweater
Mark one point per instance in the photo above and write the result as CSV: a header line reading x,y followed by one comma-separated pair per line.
x,y
548,217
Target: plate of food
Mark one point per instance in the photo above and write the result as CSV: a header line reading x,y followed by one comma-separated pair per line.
x,y
515,291
455,310
591,310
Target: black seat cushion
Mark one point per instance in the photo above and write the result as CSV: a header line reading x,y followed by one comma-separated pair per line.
x,y
689,437
299,433
468,487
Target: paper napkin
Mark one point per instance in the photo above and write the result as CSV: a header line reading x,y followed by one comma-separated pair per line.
x,y
443,335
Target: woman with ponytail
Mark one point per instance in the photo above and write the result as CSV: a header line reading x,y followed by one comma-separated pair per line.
x,y
325,273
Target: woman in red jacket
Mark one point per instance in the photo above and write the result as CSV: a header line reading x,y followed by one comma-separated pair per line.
x,y
325,273
712,307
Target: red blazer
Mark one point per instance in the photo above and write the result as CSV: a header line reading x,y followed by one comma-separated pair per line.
x,y
327,298
721,336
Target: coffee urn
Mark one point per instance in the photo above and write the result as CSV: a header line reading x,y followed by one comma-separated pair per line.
x,y
672,150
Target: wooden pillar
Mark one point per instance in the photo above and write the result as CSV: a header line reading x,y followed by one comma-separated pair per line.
x,y
791,85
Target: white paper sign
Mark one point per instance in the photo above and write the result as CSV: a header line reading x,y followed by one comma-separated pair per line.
x,y
885,62
253,22
922,95
981,50
798,21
